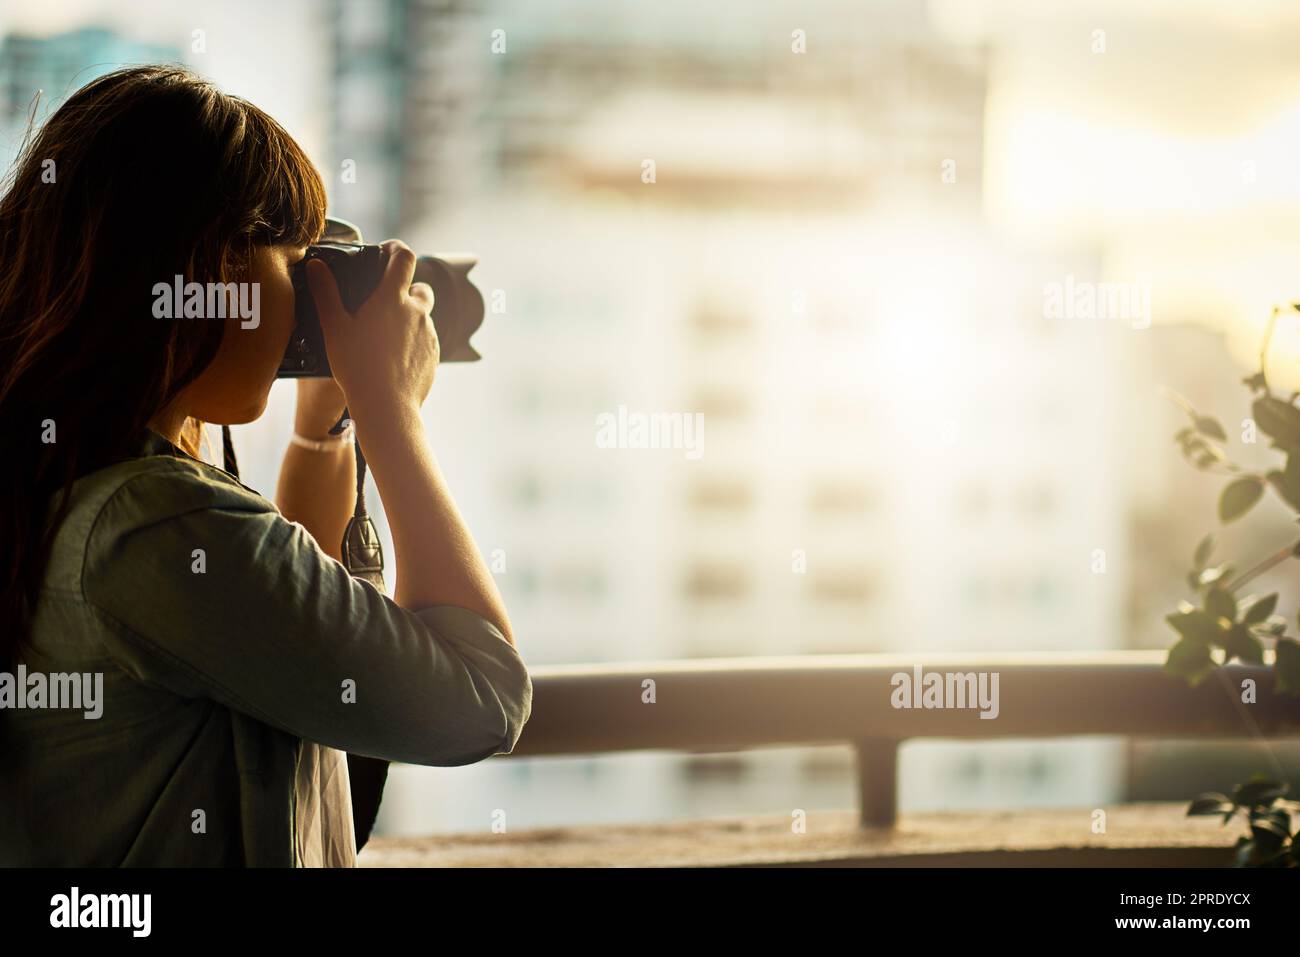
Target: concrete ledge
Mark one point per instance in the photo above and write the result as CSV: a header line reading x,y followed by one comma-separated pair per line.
x,y
1137,835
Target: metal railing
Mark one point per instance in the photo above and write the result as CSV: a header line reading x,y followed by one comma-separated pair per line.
x,y
732,704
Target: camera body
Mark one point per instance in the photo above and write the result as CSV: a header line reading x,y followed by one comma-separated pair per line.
x,y
357,268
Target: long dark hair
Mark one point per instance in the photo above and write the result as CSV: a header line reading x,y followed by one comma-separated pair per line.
x,y
143,174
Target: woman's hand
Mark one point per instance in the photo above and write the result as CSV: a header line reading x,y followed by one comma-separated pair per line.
x,y
383,356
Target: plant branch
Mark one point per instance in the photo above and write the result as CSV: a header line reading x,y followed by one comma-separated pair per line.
x,y
1277,558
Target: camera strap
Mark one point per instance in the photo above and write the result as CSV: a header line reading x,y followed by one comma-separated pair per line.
x,y
229,462
362,552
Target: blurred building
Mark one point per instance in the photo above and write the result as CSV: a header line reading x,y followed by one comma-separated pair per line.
x,y
901,453
399,109
38,72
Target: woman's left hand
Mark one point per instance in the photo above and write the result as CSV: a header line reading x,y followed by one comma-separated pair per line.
x,y
320,403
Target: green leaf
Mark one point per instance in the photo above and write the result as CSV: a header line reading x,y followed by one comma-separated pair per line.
x,y
1210,804
1213,575
1240,643
1196,451
1279,420
1287,482
1245,855
1197,626
1260,610
1203,551
1239,497
1259,791
1286,667
1270,828
1292,474
1208,425
1189,660
1274,625
1220,604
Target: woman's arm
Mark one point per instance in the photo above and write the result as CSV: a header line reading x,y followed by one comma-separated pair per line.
x,y
319,489
384,357
438,562
276,630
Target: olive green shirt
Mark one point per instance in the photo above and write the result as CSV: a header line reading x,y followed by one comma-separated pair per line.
x,y
238,663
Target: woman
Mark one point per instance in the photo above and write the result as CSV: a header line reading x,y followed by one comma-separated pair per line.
x,y
238,658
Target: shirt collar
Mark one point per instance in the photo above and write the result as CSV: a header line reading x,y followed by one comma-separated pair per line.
x,y
150,442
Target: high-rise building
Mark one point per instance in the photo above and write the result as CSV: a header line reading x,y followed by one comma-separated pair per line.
x,y
398,119
38,72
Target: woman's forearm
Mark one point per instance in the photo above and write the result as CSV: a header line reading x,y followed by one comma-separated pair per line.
x,y
319,490
438,562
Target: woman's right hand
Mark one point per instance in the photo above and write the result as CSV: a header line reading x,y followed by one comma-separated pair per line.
x,y
384,358
384,355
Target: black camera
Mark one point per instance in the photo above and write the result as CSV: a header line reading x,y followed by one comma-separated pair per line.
x,y
357,268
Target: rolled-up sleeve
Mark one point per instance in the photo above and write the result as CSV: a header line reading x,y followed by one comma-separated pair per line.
x,y
208,591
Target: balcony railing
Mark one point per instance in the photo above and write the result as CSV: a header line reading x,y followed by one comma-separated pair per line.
x,y
735,704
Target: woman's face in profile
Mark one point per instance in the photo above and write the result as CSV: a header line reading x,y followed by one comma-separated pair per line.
x,y
233,389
